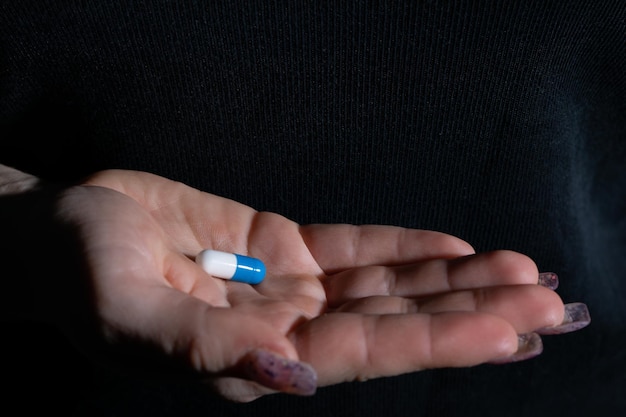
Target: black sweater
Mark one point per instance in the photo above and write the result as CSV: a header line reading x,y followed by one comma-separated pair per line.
x,y
503,123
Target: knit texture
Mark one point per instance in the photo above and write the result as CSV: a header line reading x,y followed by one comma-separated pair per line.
x,y
502,123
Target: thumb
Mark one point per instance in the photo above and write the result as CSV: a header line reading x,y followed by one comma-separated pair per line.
x,y
262,372
235,349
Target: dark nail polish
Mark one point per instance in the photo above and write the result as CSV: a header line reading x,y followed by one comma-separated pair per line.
x,y
549,280
282,374
529,346
576,317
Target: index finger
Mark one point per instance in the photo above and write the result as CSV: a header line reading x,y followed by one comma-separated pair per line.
x,y
346,346
341,246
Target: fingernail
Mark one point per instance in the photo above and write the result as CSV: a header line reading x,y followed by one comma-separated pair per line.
x,y
576,317
549,280
282,374
529,346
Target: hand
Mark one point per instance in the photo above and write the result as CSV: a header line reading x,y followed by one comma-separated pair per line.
x,y
339,303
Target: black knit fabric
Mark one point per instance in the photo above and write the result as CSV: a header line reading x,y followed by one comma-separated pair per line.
x,y
503,123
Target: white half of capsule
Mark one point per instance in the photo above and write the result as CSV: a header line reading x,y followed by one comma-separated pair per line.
x,y
231,266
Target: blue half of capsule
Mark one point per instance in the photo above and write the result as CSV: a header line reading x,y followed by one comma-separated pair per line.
x,y
249,270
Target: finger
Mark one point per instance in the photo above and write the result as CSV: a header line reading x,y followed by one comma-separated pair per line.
x,y
526,307
229,343
338,247
494,268
346,346
182,334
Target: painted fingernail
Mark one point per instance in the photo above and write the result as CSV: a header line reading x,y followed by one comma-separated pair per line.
x,y
529,346
549,280
576,317
282,374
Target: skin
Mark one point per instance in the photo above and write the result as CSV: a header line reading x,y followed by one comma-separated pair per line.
x,y
343,302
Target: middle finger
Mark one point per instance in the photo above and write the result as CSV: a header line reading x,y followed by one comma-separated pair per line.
x,y
526,307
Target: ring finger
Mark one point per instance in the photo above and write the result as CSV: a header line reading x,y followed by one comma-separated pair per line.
x,y
432,277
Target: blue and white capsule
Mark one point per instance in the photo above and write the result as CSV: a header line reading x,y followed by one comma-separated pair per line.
x,y
231,266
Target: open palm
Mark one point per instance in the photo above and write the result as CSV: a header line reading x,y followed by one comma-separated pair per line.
x,y
339,302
